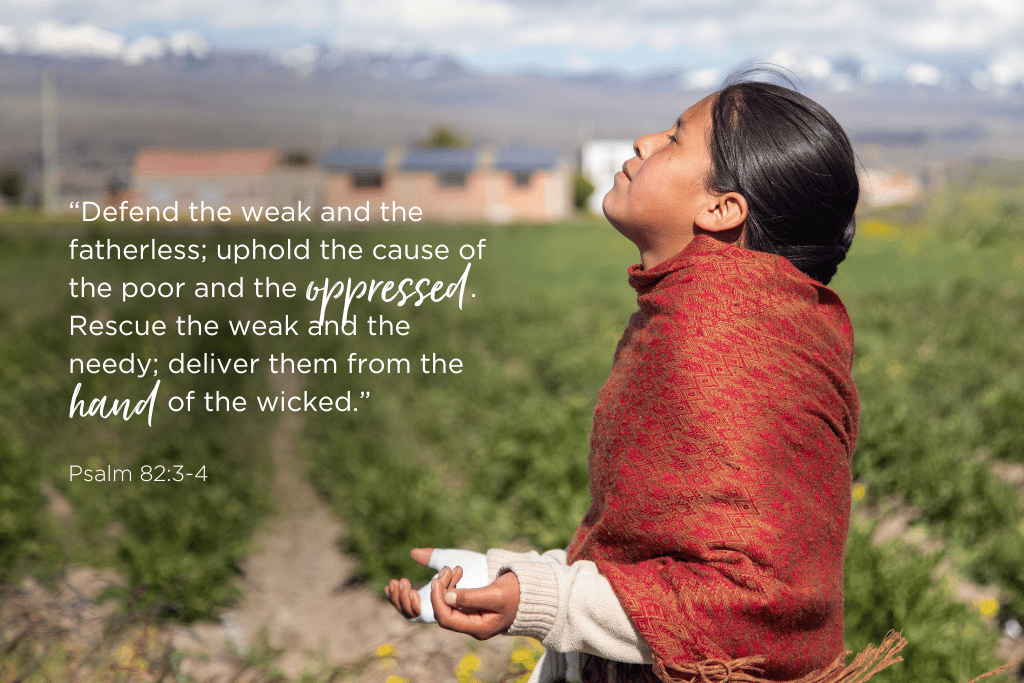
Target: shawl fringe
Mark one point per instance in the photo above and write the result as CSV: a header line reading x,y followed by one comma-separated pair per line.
x,y
747,670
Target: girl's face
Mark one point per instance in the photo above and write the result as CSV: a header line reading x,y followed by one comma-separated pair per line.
x,y
659,194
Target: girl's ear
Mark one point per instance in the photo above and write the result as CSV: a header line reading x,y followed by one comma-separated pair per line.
x,y
723,212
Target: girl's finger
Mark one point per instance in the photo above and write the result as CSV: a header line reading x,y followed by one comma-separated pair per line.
x,y
442,612
392,593
474,599
404,589
421,555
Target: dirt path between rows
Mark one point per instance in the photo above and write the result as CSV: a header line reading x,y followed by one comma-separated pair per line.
x,y
296,598
294,589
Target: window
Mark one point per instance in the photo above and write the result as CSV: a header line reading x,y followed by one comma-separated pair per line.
x,y
451,178
367,179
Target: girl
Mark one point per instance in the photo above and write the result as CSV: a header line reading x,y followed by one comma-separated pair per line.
x,y
721,446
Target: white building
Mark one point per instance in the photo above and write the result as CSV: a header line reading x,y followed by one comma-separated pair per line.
x,y
888,186
600,160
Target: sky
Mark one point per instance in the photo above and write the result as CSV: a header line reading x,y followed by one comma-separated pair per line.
x,y
923,41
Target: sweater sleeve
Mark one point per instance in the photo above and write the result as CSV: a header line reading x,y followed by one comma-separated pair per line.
x,y
569,608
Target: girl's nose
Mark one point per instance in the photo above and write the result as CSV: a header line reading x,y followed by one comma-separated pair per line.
x,y
644,145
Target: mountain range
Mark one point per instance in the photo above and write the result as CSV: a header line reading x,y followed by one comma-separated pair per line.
x,y
185,94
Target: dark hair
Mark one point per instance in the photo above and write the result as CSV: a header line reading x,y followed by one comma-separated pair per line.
x,y
793,164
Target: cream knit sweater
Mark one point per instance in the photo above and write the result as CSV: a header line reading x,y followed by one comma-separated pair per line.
x,y
570,609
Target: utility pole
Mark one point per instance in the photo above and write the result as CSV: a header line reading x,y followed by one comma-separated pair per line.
x,y
51,166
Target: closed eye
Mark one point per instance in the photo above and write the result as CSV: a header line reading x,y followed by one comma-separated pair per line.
x,y
673,138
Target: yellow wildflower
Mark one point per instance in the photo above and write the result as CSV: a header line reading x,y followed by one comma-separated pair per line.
x,y
467,665
524,657
878,229
987,606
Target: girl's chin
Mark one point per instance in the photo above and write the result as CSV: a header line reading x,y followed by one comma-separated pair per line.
x,y
628,232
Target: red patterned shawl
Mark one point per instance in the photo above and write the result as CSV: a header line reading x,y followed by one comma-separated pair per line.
x,y
720,463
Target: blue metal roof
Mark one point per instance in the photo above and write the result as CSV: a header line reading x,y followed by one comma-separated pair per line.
x,y
526,159
359,159
443,159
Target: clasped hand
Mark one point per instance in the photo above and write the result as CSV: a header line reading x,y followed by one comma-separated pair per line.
x,y
479,612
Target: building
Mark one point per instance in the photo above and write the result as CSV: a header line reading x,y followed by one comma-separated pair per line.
x,y
599,161
888,186
350,185
233,178
447,184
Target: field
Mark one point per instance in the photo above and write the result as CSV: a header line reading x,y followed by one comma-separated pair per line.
x,y
495,455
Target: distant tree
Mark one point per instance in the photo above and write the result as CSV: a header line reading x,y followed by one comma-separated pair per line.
x,y
582,188
117,186
443,136
12,184
297,157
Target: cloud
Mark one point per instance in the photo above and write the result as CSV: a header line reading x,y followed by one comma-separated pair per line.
x,y
144,49
182,43
923,74
884,37
802,64
8,39
463,26
301,59
1008,69
1002,74
698,33
701,79
88,40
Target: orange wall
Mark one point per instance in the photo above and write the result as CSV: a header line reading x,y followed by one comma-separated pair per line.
x,y
487,195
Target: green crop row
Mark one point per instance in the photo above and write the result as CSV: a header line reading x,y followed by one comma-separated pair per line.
x,y
983,206
893,587
489,456
178,544
495,455
941,393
